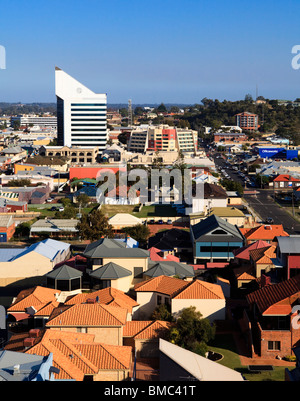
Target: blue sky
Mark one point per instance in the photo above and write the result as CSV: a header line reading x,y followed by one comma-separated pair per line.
x,y
167,51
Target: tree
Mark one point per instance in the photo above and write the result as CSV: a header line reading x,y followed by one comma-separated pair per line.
x,y
83,200
191,331
94,225
162,312
161,108
140,233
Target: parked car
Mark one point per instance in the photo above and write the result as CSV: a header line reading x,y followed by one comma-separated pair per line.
x,y
61,209
53,209
169,221
152,221
160,221
269,220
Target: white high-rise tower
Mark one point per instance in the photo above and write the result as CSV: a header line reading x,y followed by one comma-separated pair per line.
x,y
81,113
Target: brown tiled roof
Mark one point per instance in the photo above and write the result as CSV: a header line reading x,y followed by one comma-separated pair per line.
x,y
88,315
272,294
263,255
162,284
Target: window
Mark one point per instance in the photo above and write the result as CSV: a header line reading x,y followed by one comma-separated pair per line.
x,y
138,272
98,261
167,301
81,329
273,345
158,300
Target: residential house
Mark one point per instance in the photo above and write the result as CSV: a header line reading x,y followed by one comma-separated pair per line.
x,y
284,182
175,241
154,292
105,322
169,268
106,250
232,215
242,255
208,299
27,266
122,220
178,364
214,239
208,196
7,228
262,260
288,255
25,307
264,232
78,357
12,206
270,318
65,278
54,228
179,294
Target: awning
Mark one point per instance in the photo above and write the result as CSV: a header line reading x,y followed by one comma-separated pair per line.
x,y
19,315
277,263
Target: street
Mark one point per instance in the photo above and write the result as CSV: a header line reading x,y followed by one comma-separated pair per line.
x,y
262,203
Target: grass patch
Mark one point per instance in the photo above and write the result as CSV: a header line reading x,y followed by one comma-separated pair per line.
x,y
146,211
224,344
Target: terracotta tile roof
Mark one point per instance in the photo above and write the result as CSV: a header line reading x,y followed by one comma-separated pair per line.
x,y
146,329
285,178
246,276
199,289
155,256
265,232
107,296
266,297
243,253
162,284
76,354
88,315
263,255
38,297
47,309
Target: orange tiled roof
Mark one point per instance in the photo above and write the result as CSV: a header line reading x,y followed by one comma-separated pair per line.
x,y
148,329
76,354
285,178
47,309
88,315
199,289
162,284
107,296
265,232
246,276
38,297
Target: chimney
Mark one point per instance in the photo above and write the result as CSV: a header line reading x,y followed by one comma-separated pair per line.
x,y
91,300
265,280
16,369
29,342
